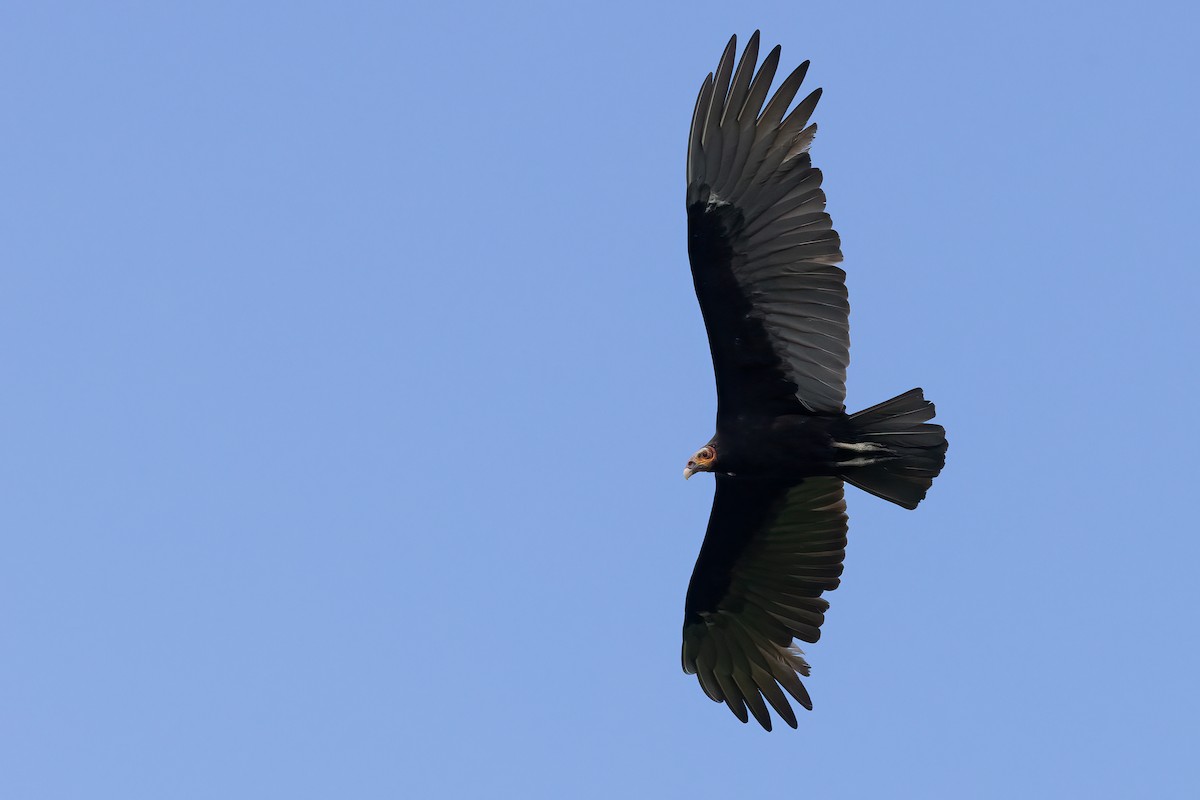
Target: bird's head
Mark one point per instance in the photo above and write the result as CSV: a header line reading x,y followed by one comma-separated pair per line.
x,y
701,461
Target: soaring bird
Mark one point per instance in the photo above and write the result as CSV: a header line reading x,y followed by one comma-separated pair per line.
x,y
763,254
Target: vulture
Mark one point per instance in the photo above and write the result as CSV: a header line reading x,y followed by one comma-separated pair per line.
x,y
764,258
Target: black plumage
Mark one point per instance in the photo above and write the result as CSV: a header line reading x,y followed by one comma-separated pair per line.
x,y
763,254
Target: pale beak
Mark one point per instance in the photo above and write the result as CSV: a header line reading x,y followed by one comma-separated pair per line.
x,y
688,472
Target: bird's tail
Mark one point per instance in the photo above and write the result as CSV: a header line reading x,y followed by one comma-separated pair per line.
x,y
895,453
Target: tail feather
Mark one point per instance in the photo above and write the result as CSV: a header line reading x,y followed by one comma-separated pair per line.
x,y
910,452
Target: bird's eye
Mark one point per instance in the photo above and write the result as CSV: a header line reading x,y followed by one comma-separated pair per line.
x,y
707,454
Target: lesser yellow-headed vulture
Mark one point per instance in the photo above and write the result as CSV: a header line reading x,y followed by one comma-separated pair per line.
x,y
764,254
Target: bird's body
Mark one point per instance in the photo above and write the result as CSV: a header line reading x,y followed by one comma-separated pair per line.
x,y
788,446
763,254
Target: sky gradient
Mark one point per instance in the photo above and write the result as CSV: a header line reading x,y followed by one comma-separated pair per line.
x,y
352,361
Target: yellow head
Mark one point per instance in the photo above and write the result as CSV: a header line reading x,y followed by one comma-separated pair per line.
x,y
702,461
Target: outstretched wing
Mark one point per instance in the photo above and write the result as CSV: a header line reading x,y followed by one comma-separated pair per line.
x,y
762,247
770,551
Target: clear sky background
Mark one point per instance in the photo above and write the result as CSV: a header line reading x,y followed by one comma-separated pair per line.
x,y
351,360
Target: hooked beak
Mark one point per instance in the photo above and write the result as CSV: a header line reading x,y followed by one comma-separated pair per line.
x,y
688,472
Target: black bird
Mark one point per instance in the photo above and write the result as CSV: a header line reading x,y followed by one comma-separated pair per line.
x,y
763,254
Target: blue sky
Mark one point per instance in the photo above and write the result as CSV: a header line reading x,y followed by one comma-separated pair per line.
x,y
352,360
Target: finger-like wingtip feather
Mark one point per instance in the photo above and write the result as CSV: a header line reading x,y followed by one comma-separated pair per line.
x,y
695,156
